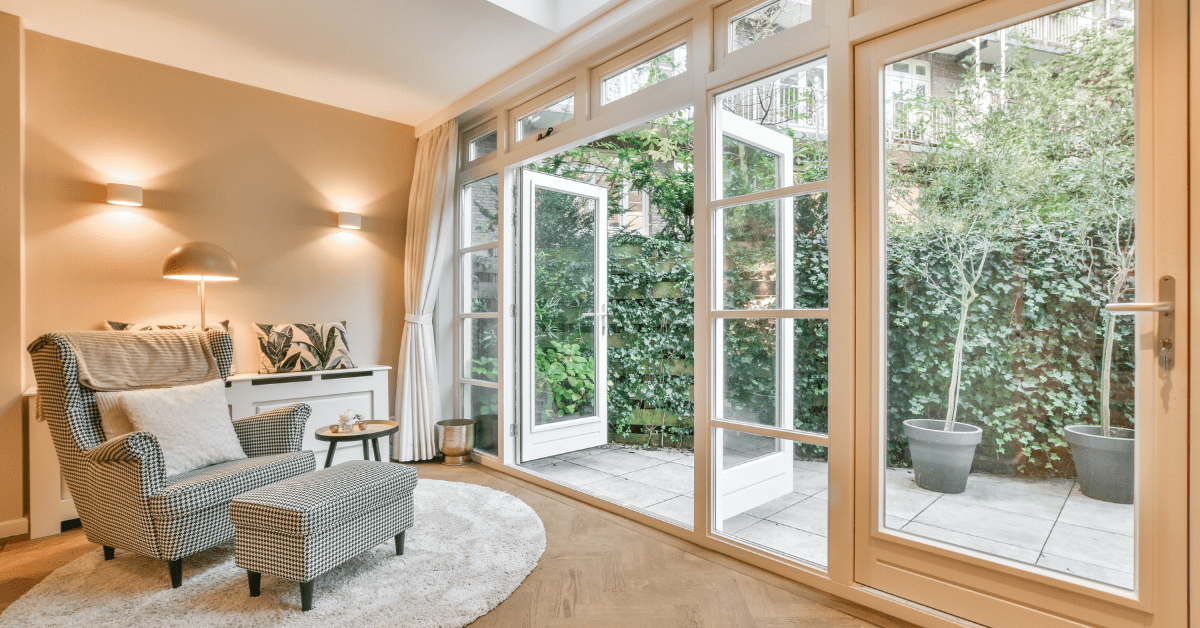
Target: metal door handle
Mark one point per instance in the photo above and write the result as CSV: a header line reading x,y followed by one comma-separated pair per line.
x,y
1166,318
1130,308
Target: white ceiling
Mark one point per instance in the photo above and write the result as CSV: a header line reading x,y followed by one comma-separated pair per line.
x,y
402,60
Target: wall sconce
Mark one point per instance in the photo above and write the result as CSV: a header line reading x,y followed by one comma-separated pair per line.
x,y
349,220
121,194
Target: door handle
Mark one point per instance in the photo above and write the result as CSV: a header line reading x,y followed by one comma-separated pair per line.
x,y
1166,318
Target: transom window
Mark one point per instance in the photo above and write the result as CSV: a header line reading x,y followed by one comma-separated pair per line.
x,y
645,74
766,20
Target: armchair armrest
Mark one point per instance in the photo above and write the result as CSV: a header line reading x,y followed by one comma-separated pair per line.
x,y
277,431
132,461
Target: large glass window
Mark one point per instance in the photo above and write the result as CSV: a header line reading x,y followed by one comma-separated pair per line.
x,y
1010,225
478,303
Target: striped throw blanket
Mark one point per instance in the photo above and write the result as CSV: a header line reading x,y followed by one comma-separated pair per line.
x,y
110,361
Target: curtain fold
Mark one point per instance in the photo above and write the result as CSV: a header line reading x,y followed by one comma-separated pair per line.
x,y
428,243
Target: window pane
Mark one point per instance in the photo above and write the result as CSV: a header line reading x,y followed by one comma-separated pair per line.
x,y
564,300
811,398
481,215
485,145
761,23
535,124
1010,223
775,132
481,341
483,405
749,249
773,493
481,280
748,350
645,74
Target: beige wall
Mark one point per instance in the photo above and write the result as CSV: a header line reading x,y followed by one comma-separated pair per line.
x,y
11,256
259,173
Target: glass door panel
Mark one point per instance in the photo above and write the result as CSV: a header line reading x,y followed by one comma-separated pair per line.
x,y
1013,230
770,235
566,314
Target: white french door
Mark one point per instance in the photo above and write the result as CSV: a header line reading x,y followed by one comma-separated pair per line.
x,y
751,471
1029,542
564,360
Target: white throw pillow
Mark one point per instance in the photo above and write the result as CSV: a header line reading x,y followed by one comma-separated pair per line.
x,y
112,415
191,422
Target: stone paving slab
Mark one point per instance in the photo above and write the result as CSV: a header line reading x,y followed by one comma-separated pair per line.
x,y
1047,522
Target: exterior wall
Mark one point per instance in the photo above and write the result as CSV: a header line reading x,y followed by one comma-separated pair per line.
x,y
259,173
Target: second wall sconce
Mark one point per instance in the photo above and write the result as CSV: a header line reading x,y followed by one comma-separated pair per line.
x,y
122,194
349,220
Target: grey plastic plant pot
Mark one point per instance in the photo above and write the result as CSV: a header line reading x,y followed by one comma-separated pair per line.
x,y
941,460
1105,464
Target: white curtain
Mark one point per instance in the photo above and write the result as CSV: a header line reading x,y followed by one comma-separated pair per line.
x,y
428,243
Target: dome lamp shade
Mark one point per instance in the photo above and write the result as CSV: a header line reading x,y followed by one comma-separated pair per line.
x,y
200,262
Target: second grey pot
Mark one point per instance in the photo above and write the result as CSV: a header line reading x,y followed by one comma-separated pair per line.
x,y
1105,464
941,460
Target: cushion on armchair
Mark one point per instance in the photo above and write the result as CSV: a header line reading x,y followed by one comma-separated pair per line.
x,y
191,422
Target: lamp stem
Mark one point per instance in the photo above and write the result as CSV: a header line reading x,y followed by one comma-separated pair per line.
x,y
201,285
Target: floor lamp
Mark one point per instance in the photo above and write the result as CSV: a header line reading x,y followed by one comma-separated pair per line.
x,y
200,262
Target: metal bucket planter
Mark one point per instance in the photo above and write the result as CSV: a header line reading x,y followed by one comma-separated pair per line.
x,y
941,460
1105,464
456,439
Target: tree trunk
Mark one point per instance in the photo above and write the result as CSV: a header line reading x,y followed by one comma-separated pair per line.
x,y
956,362
1106,375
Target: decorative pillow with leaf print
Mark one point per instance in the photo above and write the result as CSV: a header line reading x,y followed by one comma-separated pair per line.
x,y
303,347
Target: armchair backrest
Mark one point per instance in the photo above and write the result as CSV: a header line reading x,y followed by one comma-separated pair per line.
x,y
70,407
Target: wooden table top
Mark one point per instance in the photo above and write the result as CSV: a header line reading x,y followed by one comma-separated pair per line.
x,y
370,429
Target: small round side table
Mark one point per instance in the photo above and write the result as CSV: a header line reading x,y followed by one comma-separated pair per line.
x,y
371,431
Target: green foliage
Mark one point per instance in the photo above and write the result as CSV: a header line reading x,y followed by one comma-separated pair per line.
x,y
567,373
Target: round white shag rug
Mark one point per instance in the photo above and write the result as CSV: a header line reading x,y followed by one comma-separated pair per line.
x,y
468,550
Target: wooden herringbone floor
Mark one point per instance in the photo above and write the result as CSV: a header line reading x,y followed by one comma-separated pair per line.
x,y
599,570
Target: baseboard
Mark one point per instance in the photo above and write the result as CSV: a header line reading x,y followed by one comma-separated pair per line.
x,y
14,527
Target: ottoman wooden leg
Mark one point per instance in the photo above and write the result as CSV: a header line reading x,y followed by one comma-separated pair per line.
x,y
176,567
400,544
255,582
108,552
306,595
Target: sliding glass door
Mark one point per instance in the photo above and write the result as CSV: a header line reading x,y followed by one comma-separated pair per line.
x,y
1019,455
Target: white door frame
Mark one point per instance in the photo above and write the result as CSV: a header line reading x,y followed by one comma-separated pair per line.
x,y
541,441
970,584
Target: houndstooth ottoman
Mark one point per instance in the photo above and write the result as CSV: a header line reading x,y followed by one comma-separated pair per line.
x,y
302,527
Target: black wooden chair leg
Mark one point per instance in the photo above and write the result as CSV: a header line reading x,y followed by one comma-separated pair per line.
x,y
400,544
176,567
306,595
255,582
109,552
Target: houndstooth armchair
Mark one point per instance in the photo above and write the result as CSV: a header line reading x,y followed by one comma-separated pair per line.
x,y
122,495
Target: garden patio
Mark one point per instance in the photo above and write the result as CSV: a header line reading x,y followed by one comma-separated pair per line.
x,y
1046,522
